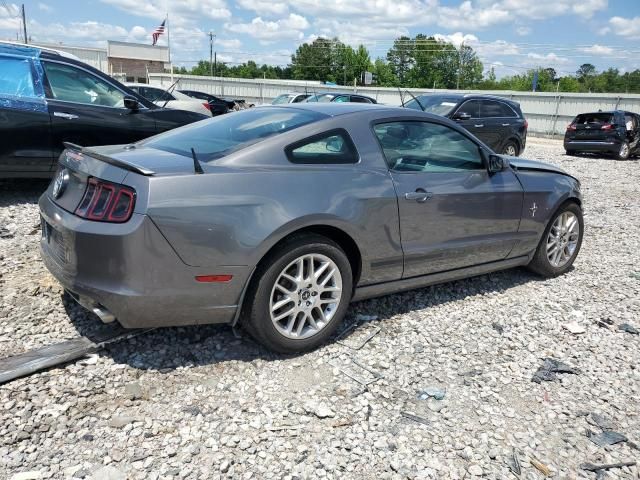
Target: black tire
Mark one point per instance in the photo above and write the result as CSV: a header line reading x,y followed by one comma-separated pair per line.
x,y
623,152
256,313
540,263
571,153
511,144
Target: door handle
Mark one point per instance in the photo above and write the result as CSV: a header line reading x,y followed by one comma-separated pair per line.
x,y
419,196
68,116
506,124
479,125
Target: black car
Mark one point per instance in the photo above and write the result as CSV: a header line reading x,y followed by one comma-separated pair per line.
x,y
48,97
218,106
340,98
616,132
496,121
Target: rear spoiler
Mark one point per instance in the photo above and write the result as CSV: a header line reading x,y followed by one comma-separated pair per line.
x,y
112,161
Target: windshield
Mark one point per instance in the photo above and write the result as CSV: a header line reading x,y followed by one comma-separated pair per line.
x,y
280,99
433,104
219,136
326,97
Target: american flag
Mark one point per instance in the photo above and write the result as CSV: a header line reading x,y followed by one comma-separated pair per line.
x,y
157,32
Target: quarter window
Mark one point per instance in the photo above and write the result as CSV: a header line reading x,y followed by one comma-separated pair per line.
x,y
333,147
427,147
15,77
72,84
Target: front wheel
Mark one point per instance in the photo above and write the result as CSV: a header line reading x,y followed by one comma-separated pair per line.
x,y
560,243
301,294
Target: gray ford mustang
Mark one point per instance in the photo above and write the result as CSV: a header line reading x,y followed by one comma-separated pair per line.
x,y
278,217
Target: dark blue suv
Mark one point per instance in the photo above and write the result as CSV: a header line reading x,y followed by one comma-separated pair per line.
x,y
616,132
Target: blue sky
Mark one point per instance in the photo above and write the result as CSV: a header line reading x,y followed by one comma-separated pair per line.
x,y
511,35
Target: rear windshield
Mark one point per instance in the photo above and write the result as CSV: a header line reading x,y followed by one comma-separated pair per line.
x,y
219,136
433,104
281,99
599,117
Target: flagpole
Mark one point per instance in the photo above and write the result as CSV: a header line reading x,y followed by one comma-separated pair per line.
x,y
169,46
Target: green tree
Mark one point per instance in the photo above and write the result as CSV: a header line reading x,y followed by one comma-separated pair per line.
x,y
400,58
316,61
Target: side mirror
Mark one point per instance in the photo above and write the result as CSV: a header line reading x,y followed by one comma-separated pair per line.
x,y
496,163
462,116
131,103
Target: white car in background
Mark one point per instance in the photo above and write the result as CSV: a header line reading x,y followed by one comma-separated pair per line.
x,y
290,98
175,99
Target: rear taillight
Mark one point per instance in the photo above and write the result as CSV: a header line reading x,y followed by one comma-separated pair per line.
x,y
207,106
571,127
526,124
606,126
106,202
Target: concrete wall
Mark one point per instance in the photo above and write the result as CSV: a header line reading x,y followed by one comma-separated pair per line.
x,y
547,113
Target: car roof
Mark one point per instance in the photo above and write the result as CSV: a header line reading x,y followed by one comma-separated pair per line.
x,y
35,49
336,109
470,96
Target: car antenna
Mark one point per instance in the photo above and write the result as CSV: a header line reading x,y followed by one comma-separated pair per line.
x,y
414,97
401,97
169,90
196,164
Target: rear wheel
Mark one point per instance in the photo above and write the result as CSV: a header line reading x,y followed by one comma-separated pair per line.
x,y
511,149
300,295
623,152
560,243
570,152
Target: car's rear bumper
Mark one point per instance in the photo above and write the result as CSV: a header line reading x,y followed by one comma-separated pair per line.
x,y
592,145
130,271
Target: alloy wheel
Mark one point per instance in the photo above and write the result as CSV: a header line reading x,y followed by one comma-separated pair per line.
x,y
563,239
305,296
510,150
624,151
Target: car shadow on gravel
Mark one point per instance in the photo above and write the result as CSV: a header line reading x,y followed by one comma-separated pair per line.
x,y
15,192
166,349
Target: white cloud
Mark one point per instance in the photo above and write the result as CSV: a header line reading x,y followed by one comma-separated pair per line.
x,y
264,7
181,12
586,8
523,31
548,59
45,8
229,43
598,50
626,27
290,27
457,38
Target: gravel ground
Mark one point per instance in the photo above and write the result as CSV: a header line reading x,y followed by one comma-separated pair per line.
x,y
202,403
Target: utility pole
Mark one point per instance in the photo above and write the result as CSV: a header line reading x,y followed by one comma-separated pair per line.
x,y
212,55
459,65
24,25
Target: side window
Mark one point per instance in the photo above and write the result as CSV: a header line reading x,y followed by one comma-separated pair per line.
x,y
342,99
471,107
327,148
427,147
16,78
71,84
360,99
490,109
494,109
